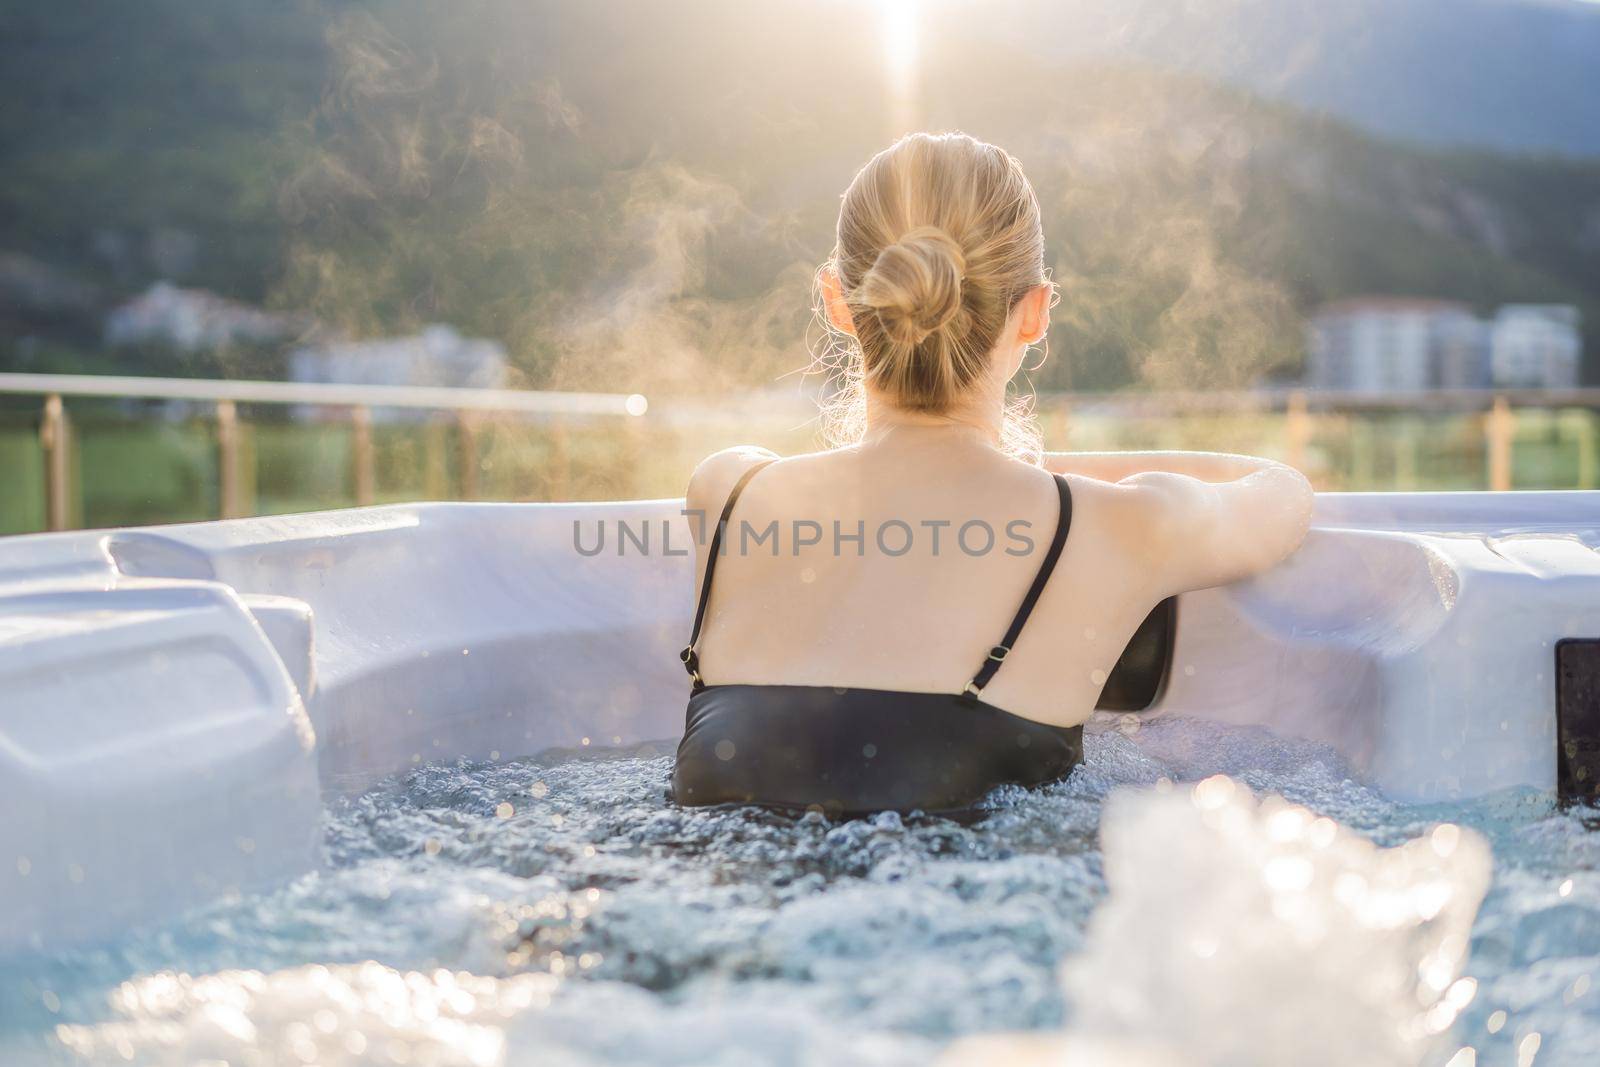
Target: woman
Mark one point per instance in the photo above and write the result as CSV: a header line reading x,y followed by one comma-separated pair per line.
x,y
866,644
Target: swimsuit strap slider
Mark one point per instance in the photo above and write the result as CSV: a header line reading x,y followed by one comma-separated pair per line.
x,y
691,663
998,653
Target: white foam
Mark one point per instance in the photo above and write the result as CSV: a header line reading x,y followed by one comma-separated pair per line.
x,y
360,1014
368,1015
1236,931
1254,932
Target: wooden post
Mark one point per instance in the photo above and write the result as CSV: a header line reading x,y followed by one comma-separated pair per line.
x,y
558,484
1583,427
230,500
364,469
54,433
1297,427
436,477
1499,430
1405,456
467,454
1362,472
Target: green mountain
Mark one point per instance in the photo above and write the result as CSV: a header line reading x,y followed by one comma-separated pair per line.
x,y
634,196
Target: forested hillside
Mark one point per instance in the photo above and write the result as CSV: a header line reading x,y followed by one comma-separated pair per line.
x,y
519,170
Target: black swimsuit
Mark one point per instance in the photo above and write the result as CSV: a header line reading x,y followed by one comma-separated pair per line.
x,y
854,751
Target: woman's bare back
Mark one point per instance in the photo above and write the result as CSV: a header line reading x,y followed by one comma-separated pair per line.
x,y
899,563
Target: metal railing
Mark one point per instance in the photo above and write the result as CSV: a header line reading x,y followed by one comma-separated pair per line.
x,y
1498,406
357,400
1300,409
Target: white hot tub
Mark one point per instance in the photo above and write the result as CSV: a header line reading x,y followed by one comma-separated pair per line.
x,y
175,702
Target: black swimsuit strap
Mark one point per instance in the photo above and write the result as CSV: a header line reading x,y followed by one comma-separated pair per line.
x,y
690,657
997,654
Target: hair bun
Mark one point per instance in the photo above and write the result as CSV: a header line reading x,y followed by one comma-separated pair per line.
x,y
915,284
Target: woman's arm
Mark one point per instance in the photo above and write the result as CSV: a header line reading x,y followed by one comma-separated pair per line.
x,y
1210,524
1115,466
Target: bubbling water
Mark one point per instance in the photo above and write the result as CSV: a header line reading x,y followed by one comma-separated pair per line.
x,y
561,911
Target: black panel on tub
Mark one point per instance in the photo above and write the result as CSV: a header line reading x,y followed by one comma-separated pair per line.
x,y
1578,718
1140,675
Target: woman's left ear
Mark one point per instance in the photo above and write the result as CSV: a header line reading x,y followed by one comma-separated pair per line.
x,y
1034,322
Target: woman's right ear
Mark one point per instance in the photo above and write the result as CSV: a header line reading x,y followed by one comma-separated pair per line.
x,y
833,300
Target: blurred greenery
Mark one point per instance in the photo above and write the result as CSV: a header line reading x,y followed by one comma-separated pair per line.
x,y
128,470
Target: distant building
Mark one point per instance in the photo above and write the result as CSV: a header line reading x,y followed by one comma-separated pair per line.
x,y
1535,346
1460,349
438,356
1390,344
1394,344
194,320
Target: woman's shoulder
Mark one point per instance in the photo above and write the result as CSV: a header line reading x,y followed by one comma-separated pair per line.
x,y
716,475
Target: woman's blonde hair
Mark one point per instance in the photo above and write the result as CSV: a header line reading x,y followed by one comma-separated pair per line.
x,y
938,238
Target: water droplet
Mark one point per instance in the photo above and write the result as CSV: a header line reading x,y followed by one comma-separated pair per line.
x,y
1213,793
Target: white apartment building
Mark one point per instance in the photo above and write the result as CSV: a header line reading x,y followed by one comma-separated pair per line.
x,y
438,356
1382,344
1535,346
193,320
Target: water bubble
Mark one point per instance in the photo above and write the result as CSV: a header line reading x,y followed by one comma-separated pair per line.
x,y
1212,793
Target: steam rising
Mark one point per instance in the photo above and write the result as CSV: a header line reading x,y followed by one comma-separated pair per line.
x,y
635,199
